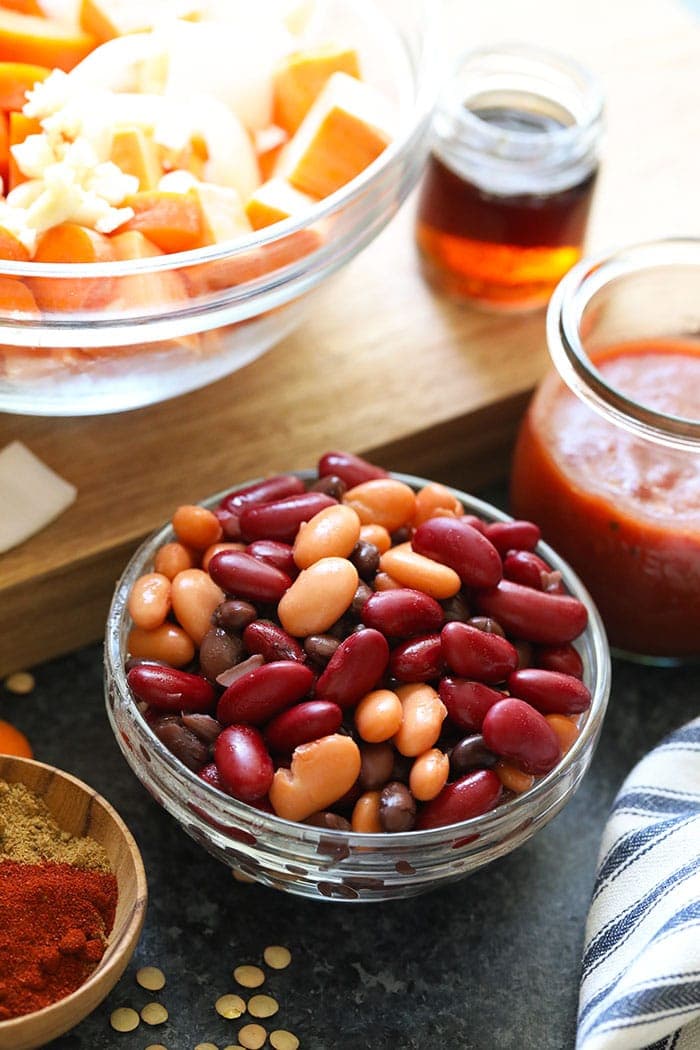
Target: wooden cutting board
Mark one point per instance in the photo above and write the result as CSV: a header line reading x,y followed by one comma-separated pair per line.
x,y
381,365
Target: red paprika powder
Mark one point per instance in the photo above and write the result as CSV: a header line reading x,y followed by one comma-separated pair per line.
x,y
54,922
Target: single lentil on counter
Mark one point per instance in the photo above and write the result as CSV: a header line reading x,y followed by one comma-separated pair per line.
x,y
351,635
57,905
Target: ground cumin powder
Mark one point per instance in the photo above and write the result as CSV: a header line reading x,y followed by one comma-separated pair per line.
x,y
30,835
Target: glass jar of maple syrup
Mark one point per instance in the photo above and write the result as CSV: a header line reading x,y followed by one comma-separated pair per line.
x,y
508,186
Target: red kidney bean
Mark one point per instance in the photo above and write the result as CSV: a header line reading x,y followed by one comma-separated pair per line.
x,y
234,614
551,692
402,613
218,651
301,724
210,775
243,762
472,795
563,658
272,642
273,552
280,520
353,470
182,742
546,619
241,574
514,729
168,689
473,521
471,753
467,701
355,668
472,653
230,523
264,491
448,541
418,659
261,694
530,570
513,535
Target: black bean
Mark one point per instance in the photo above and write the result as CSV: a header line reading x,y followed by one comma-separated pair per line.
x,y
332,821
320,647
377,765
218,651
361,595
365,557
331,484
203,726
456,608
397,807
191,751
471,753
487,625
234,614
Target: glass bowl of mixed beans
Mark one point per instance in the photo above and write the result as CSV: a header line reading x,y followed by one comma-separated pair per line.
x,y
354,685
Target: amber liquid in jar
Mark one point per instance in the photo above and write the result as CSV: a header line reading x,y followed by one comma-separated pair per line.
x,y
500,249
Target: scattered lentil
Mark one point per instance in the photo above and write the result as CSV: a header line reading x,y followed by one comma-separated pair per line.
x,y
281,1039
249,976
124,1019
154,1013
206,1046
230,1006
156,1046
277,957
150,978
30,835
262,1006
252,1036
20,683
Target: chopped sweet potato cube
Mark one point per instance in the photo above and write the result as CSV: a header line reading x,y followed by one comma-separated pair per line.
x,y
274,201
42,41
25,7
70,243
343,132
20,127
144,292
11,247
223,217
301,77
106,19
173,221
15,298
16,79
136,154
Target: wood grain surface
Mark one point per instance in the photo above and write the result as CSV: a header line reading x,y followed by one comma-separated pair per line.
x,y
382,364
81,811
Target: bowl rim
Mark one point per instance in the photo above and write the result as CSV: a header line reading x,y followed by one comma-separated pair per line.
x,y
521,804
426,84
113,958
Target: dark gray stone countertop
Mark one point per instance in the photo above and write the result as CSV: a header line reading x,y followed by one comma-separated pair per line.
x,y
489,963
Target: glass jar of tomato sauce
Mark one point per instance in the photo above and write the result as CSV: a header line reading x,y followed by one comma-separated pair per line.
x,y
608,456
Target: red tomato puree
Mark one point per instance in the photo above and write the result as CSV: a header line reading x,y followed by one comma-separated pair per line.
x,y
624,512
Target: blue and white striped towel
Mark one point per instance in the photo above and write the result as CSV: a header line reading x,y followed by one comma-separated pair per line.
x,y
640,985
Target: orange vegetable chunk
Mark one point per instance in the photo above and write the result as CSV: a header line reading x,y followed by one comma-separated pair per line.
x,y
14,742
136,154
70,243
4,148
343,132
106,19
11,247
302,76
274,201
42,41
16,79
26,7
15,298
173,221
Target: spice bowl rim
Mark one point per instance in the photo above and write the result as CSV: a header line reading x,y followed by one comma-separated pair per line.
x,y
36,1028
581,751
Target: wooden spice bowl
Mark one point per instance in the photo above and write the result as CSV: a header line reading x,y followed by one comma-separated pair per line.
x,y
81,811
